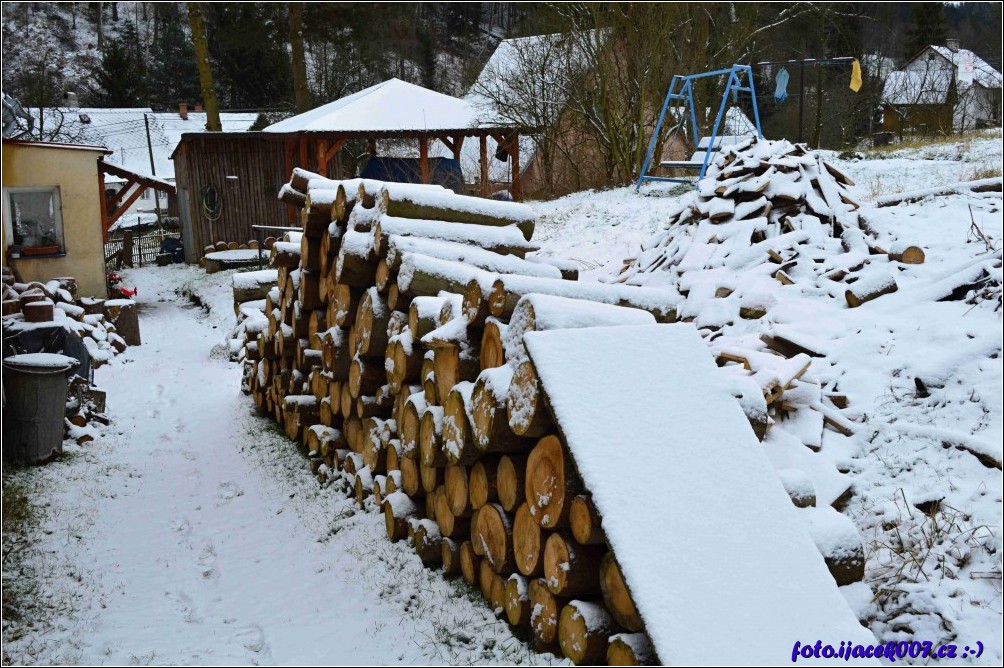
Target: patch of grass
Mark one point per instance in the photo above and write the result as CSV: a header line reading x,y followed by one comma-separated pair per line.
x,y
20,532
981,172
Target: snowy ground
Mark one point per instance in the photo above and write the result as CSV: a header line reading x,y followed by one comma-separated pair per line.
x,y
192,532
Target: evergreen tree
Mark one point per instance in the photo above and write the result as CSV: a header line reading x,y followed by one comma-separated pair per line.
x,y
928,27
173,75
118,80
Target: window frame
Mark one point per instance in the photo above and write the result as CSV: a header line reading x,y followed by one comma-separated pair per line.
x,y
8,216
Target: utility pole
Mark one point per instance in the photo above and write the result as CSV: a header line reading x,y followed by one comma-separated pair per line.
x,y
153,171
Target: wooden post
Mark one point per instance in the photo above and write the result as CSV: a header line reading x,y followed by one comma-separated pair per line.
x,y
483,163
423,159
371,145
104,203
517,188
458,143
322,157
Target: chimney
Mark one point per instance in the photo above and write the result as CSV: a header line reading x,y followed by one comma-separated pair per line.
x,y
198,108
183,110
953,44
71,100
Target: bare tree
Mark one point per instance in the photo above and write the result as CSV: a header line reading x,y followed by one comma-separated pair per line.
x,y
301,92
205,68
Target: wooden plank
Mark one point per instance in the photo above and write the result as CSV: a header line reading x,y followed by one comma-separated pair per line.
x,y
423,158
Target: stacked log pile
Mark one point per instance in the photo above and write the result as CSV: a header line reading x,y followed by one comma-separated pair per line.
x,y
25,305
390,347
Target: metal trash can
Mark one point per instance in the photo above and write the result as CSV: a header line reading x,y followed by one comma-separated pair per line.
x,y
35,393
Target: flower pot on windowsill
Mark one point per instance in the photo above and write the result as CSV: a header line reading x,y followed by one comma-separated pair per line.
x,y
40,250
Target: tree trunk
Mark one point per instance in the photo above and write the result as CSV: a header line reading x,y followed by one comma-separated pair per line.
x,y
208,90
298,61
528,416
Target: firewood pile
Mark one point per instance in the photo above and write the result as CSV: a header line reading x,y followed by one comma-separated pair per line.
x,y
390,347
105,327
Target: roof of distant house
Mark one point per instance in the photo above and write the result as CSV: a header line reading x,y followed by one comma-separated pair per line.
x,y
124,132
391,106
931,85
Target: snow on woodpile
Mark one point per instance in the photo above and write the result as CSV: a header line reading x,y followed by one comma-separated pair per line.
x,y
706,539
398,319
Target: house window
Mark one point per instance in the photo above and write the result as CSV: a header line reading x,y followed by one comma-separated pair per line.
x,y
34,220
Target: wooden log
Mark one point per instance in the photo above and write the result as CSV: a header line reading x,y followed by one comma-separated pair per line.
x,y
457,493
310,247
450,556
551,483
396,300
379,406
571,569
525,409
501,240
430,437
395,247
517,601
365,376
477,546
492,352
124,314
475,305
482,485
285,254
583,632
356,263
545,609
906,254
410,423
489,422
454,364
431,477
426,538
363,485
630,649
309,291
405,360
506,291
459,209
585,522
421,275
871,287
486,578
494,530
470,563
458,439
422,315
449,524
38,311
371,324
343,303
411,481
616,595
528,543
511,481
336,358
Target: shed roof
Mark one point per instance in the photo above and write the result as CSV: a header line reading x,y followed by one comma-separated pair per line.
x,y
391,106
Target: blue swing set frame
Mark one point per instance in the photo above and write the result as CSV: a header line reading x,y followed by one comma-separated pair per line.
x,y
681,89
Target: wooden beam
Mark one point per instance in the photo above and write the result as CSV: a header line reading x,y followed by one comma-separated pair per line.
x,y
447,143
104,204
117,213
423,158
117,197
458,143
322,153
483,163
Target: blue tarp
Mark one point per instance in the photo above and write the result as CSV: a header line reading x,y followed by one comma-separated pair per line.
x,y
445,172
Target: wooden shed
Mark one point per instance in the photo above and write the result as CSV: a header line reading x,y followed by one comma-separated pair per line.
x,y
228,182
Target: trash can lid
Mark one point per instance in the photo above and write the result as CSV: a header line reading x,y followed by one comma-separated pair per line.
x,y
41,362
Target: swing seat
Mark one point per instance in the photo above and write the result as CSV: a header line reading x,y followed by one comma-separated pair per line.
x,y
697,159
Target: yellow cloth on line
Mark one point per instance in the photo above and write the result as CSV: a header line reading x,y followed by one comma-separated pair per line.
x,y
855,76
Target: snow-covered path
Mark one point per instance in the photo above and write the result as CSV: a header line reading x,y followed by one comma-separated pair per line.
x,y
195,534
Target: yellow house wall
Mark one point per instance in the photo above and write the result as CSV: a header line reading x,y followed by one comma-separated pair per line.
x,y
75,171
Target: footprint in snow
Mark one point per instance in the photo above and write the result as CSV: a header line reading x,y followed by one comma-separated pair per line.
x,y
252,637
228,490
186,607
182,526
207,561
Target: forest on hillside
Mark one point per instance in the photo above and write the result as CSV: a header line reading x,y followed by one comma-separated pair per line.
x,y
135,54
